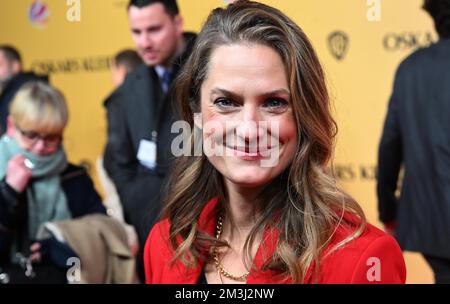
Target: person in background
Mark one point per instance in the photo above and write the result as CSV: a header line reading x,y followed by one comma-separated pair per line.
x,y
38,185
12,78
124,62
416,136
259,205
141,116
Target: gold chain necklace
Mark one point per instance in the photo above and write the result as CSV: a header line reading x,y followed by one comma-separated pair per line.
x,y
220,269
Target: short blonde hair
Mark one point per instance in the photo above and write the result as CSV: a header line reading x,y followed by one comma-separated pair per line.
x,y
39,107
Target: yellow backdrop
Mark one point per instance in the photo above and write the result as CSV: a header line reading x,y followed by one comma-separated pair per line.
x,y
360,43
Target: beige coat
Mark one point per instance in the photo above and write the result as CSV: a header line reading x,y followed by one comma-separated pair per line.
x,y
102,246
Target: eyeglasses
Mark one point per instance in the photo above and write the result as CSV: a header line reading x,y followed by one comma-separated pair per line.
x,y
50,140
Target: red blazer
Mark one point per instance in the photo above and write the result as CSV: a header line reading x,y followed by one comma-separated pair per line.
x,y
374,257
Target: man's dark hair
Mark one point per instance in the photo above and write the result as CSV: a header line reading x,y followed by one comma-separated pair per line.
x,y
11,53
440,12
130,59
170,6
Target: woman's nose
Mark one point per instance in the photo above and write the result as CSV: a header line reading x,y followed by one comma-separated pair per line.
x,y
39,147
248,127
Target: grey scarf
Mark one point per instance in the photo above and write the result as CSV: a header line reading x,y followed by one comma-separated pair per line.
x,y
45,196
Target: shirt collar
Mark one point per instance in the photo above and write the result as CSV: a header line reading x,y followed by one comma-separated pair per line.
x,y
160,70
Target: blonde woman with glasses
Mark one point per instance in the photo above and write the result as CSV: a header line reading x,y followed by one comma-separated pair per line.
x,y
38,185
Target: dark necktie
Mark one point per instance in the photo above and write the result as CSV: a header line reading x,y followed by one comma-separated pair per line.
x,y
165,80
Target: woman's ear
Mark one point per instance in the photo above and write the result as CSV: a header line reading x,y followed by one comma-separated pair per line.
x,y
10,129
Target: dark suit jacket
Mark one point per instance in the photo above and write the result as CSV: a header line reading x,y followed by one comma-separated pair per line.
x,y
417,135
134,111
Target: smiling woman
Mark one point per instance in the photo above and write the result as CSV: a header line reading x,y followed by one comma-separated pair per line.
x,y
247,85
258,85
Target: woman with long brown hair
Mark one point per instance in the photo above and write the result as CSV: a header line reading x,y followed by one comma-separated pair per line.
x,y
259,205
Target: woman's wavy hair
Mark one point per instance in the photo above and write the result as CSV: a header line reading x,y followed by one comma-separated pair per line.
x,y
303,203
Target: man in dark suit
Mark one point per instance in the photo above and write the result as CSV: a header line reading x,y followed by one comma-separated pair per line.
x,y
124,62
141,114
12,78
417,135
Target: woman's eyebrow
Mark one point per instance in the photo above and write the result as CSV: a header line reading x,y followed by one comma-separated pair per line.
x,y
221,91
277,92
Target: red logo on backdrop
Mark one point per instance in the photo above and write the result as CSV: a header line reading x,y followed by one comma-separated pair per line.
x,y
38,14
